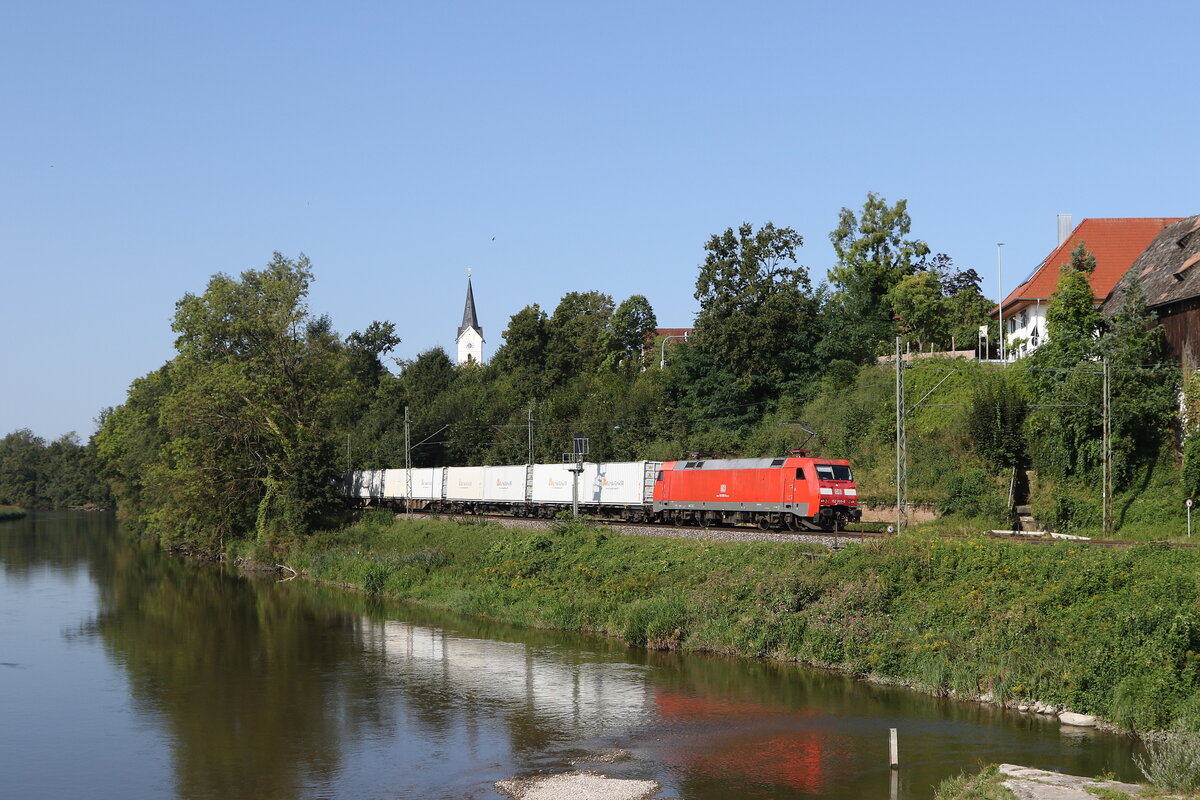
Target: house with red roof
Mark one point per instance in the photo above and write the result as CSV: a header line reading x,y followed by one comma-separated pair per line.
x,y
1168,273
1116,243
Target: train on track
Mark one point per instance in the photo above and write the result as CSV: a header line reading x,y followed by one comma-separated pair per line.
x,y
787,493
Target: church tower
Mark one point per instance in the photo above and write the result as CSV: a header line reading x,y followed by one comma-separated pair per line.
x,y
470,334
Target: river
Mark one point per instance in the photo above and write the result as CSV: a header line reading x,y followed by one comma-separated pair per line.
x,y
127,673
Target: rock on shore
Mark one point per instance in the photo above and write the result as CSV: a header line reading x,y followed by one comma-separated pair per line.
x,y
577,786
1040,784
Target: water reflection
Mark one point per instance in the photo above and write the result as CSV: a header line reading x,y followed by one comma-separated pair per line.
x,y
243,677
557,693
62,541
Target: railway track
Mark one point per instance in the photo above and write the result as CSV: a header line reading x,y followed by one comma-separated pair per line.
x,y
856,532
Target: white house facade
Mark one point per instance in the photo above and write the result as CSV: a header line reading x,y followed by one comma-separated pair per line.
x,y
1115,243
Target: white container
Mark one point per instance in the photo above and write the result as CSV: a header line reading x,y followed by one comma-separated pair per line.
x,y
366,484
552,483
464,483
427,483
395,485
612,483
505,484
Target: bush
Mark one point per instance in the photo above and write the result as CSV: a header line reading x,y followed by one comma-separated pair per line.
x,y
1172,761
1191,466
965,492
1067,508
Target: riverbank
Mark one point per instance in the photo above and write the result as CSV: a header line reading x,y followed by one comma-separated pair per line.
x,y
11,512
1010,782
1114,634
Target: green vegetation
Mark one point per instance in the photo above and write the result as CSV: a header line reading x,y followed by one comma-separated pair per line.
x,y
11,512
59,474
983,785
1172,761
1113,633
236,436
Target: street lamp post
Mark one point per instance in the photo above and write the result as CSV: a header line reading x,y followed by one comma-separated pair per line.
x,y
1000,293
662,357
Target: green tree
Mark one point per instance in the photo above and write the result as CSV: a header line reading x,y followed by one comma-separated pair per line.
x,y
366,351
966,307
523,354
998,409
577,334
1144,385
922,310
129,446
257,390
757,314
21,455
632,325
874,255
1071,316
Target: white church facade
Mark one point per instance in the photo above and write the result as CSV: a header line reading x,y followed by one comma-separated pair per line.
x,y
470,333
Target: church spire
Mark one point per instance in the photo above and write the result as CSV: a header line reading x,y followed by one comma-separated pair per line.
x,y
470,333
469,319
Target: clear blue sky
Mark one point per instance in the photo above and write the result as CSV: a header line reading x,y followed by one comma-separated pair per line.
x,y
550,146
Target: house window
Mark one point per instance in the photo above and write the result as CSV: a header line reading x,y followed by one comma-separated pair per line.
x,y
1024,318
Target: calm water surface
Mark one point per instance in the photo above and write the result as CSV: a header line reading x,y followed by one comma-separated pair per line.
x,y
128,674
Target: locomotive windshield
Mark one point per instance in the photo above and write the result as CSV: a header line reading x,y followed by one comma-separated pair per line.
x,y
834,472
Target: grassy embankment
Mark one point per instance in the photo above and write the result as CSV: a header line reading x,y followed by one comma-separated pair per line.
x,y
1113,633
11,512
857,420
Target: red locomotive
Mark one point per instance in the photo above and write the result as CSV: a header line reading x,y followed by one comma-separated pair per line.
x,y
797,492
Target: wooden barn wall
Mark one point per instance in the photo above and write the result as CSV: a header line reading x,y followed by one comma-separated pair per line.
x,y
1181,325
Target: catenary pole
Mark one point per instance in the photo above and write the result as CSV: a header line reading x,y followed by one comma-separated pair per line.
x,y
901,445
407,466
1106,490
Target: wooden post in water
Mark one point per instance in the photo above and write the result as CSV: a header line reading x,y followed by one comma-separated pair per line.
x,y
893,749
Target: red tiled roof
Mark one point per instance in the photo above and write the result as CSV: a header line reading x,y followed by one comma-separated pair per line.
x,y
1115,243
672,331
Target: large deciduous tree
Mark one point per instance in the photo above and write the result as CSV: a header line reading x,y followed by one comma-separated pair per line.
x,y
577,334
631,326
245,414
758,322
523,354
874,255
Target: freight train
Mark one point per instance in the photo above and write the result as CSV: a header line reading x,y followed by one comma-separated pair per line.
x,y
788,493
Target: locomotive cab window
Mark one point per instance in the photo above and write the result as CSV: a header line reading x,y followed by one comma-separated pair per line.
x,y
834,472
799,473
659,476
